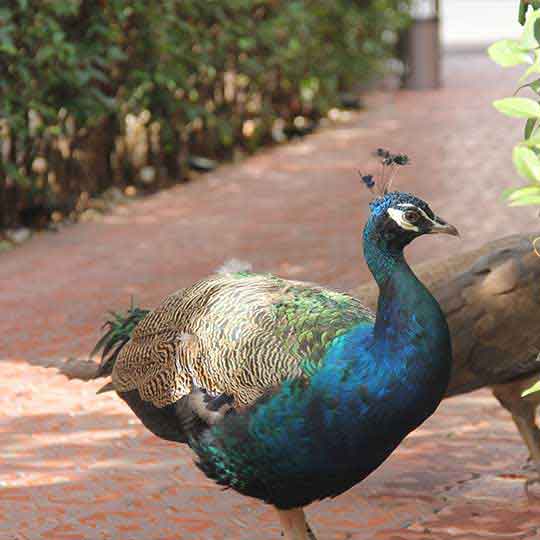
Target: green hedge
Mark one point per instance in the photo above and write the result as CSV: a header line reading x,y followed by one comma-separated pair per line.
x,y
92,92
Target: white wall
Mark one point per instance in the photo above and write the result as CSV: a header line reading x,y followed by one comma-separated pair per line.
x,y
476,23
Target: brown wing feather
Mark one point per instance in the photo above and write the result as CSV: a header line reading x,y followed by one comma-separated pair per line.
x,y
225,334
491,298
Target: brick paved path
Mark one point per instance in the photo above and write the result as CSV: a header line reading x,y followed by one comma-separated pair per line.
x,y
74,465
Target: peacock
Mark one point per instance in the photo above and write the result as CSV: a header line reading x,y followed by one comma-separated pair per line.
x,y
287,391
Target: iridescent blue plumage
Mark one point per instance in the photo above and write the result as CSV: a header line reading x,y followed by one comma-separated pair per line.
x,y
317,391
309,439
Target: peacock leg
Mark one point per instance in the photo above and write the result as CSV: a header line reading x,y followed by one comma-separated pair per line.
x,y
523,415
294,525
529,433
310,533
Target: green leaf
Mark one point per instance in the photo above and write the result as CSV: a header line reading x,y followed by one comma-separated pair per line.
x,y
525,196
6,15
508,192
526,163
531,390
517,107
508,53
522,11
530,30
530,201
6,44
535,68
532,142
529,127
115,53
55,131
515,194
534,86
13,171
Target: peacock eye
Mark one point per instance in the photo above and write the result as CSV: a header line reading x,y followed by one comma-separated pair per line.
x,y
411,216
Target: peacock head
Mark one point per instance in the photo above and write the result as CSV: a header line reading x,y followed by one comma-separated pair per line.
x,y
398,218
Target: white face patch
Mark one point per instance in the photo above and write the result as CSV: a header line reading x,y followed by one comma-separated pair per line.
x,y
419,210
399,216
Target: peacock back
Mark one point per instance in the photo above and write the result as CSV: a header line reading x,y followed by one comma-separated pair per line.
x,y
240,334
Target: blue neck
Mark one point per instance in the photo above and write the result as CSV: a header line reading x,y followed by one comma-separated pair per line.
x,y
407,313
381,255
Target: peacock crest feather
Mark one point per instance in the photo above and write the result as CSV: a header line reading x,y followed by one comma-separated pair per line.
x,y
390,164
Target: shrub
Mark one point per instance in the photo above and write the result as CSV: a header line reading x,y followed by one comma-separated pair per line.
x,y
94,92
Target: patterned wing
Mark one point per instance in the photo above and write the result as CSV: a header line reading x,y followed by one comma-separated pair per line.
x,y
238,334
314,317
148,362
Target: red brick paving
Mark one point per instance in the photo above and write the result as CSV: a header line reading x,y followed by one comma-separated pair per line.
x,y
74,465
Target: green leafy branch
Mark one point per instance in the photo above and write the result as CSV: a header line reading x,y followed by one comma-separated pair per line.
x,y
525,154
508,53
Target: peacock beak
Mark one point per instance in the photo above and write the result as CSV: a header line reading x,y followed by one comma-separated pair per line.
x,y
440,226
